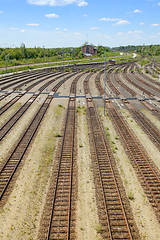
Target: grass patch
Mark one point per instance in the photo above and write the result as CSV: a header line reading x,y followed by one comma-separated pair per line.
x,y
99,228
60,106
131,195
57,135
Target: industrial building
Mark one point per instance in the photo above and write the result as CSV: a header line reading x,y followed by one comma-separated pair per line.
x,y
89,50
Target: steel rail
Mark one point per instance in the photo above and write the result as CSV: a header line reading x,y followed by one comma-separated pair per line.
x,y
16,116
142,120
22,78
138,156
145,124
6,106
136,148
32,78
17,154
101,171
65,162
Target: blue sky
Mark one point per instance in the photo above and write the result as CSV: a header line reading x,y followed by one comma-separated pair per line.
x,y
62,23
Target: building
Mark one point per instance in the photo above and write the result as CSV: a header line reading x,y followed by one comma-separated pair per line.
x,y
112,61
89,50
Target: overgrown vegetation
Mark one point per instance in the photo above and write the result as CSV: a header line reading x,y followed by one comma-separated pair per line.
x,y
58,56
144,50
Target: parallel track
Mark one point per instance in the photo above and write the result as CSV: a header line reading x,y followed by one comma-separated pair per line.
x,y
10,166
146,125
146,170
16,116
117,220
20,95
31,78
57,219
141,119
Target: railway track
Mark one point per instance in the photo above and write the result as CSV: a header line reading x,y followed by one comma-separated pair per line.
x,y
152,109
11,102
16,116
22,80
140,118
146,170
6,106
145,124
22,83
144,76
58,220
141,83
157,89
18,75
10,165
124,86
116,218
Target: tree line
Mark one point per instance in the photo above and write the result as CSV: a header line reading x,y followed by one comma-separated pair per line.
x,y
152,50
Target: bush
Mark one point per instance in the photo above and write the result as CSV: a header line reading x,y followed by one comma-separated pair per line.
x,y
131,196
57,135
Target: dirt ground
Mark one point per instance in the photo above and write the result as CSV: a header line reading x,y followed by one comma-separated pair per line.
x,y
23,209
147,223
87,214
20,217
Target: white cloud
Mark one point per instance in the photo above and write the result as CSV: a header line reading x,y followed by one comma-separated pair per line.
x,y
77,34
155,25
85,15
13,28
65,29
153,36
122,22
57,29
120,33
94,28
141,23
110,19
118,21
22,31
135,32
32,24
52,15
103,36
158,3
137,11
80,3
1,12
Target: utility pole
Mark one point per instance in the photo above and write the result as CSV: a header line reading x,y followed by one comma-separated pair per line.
x,y
28,57
48,56
63,64
154,57
44,53
73,61
63,68
104,81
5,57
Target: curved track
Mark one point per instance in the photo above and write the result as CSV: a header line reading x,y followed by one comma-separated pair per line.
x,y
20,95
10,166
16,116
57,220
117,220
146,170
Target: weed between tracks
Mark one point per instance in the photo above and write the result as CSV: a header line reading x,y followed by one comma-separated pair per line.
x,y
23,209
147,223
88,226
7,114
